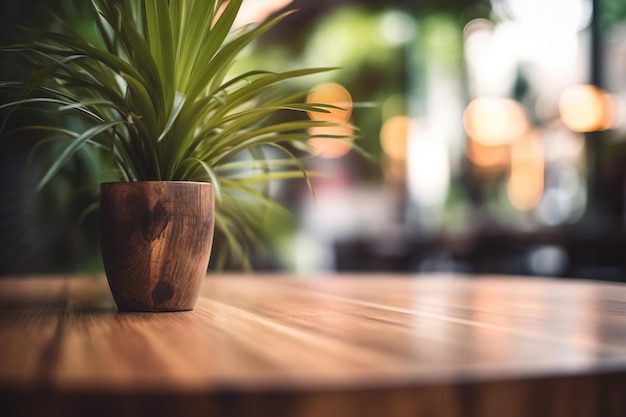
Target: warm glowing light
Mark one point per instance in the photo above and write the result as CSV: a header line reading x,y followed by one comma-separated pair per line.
x,y
330,147
495,121
526,180
489,157
393,137
335,94
324,146
253,11
586,108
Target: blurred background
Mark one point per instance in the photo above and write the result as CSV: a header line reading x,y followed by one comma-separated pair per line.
x,y
496,135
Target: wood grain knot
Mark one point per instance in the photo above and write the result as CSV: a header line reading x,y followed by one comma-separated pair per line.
x,y
154,222
162,292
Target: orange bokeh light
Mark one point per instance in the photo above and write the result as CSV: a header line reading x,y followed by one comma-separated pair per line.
x,y
335,94
488,157
330,148
495,120
526,180
586,108
393,137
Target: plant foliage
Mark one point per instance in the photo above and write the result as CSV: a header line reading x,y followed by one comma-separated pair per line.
x,y
156,96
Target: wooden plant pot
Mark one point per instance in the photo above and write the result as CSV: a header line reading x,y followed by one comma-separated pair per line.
x,y
156,239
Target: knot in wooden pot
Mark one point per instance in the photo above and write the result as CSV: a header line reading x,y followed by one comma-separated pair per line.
x,y
156,239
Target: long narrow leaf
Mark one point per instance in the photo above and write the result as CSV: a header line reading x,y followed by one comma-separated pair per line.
x,y
76,144
160,40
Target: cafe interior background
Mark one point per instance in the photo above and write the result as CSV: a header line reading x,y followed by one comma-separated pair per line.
x,y
494,134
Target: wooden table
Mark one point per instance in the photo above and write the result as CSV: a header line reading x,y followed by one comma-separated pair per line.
x,y
347,345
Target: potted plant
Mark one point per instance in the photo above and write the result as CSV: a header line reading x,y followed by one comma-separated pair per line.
x,y
156,96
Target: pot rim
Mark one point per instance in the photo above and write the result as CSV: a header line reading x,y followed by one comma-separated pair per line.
x,y
156,182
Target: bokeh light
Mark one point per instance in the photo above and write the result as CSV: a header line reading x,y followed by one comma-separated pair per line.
x,y
253,11
394,141
558,14
393,137
337,95
495,120
397,27
564,198
586,108
428,170
487,157
330,147
526,179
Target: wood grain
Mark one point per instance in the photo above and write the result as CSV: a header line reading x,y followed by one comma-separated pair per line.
x,y
376,345
156,242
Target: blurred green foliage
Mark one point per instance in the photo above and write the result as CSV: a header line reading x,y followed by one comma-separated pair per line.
x,y
40,232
